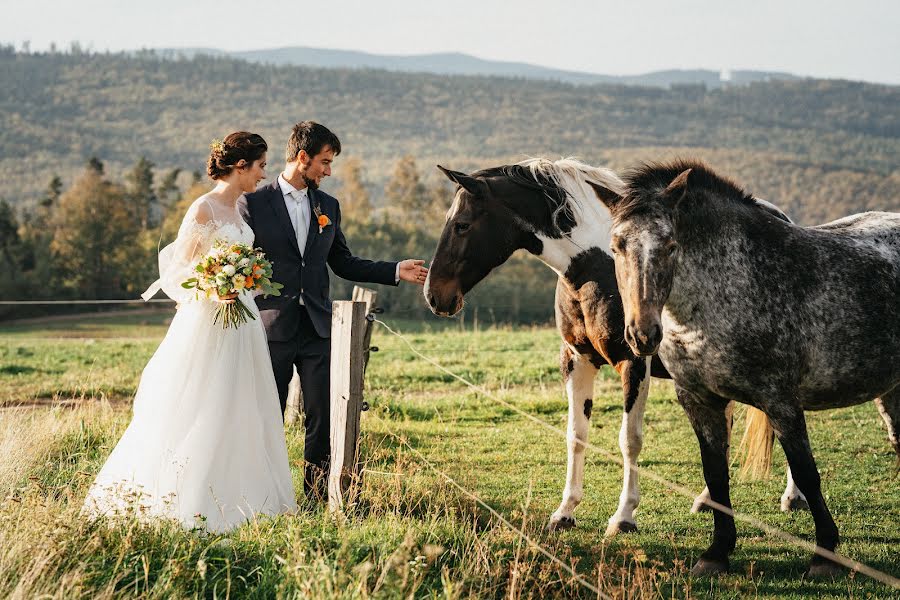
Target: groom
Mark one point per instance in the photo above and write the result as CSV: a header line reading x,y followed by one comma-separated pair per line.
x,y
298,226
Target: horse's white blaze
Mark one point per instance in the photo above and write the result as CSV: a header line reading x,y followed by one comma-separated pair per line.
x,y
647,244
631,440
579,387
454,208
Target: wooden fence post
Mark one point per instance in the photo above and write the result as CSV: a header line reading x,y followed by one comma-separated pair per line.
x,y
347,374
295,393
361,294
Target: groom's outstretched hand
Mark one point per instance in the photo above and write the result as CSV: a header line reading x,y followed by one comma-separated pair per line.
x,y
411,270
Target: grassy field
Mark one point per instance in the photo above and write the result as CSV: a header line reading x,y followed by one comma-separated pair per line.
x,y
64,391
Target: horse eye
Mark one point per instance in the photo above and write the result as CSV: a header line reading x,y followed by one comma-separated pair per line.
x,y
670,248
617,246
461,227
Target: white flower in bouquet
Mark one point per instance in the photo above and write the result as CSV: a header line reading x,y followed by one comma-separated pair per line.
x,y
217,276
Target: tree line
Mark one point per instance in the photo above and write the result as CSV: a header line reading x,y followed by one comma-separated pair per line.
x,y
84,229
98,238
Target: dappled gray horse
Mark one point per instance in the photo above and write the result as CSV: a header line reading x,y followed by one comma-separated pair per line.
x,y
548,208
741,304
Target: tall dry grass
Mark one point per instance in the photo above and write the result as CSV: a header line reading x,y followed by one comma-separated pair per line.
x,y
405,535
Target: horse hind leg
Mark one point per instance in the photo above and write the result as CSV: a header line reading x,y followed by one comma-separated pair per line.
x,y
889,409
792,498
635,385
790,428
579,373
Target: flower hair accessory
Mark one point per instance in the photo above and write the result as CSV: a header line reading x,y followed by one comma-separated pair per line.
x,y
217,146
321,218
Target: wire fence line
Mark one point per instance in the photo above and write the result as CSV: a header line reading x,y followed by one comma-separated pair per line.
x,y
418,309
845,561
518,530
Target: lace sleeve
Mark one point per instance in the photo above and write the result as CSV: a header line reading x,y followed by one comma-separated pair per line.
x,y
178,259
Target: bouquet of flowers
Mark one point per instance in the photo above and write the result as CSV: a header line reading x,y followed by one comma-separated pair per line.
x,y
231,268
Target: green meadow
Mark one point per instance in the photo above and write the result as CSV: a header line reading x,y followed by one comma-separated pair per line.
x,y
65,389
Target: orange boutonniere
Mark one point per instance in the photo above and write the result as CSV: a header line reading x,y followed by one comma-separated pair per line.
x,y
321,219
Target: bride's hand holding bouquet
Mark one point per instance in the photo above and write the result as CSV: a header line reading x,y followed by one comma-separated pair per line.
x,y
228,270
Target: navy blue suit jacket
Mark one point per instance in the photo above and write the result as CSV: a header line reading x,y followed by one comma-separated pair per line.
x,y
304,273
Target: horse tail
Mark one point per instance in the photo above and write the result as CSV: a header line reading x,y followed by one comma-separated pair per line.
x,y
756,445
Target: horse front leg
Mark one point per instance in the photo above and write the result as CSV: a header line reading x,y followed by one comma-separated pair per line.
x,y
635,385
579,374
700,502
710,424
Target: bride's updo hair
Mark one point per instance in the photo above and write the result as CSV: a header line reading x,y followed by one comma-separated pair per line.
x,y
225,154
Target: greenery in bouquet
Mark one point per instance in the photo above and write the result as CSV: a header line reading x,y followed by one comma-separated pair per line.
x,y
229,269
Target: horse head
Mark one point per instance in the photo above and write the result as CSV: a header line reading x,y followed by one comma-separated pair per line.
x,y
646,254
491,217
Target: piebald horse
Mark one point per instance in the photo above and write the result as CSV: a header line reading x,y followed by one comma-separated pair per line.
x,y
742,305
549,209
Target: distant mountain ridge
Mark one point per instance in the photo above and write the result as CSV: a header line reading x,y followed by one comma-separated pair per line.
x,y
456,63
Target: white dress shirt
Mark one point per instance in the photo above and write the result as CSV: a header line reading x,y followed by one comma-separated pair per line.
x,y
297,204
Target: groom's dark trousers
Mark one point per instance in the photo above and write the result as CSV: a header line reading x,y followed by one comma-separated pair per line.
x,y
299,334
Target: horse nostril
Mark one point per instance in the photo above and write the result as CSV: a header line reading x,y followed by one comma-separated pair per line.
x,y
430,297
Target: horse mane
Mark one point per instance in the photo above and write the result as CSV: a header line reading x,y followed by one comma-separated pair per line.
x,y
563,184
646,182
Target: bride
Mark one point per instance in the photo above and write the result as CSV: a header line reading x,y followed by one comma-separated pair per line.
x,y
206,443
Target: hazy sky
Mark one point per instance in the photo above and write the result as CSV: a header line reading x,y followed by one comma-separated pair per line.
x,y
854,40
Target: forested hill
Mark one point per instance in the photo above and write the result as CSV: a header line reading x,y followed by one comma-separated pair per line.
x,y
820,148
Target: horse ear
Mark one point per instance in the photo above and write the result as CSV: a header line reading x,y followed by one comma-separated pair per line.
x,y
679,185
606,195
470,184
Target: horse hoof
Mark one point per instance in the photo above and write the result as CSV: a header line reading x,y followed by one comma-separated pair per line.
x,y
824,569
615,528
700,506
560,523
707,566
794,503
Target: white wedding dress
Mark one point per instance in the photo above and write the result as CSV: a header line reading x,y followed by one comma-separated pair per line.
x,y
206,442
